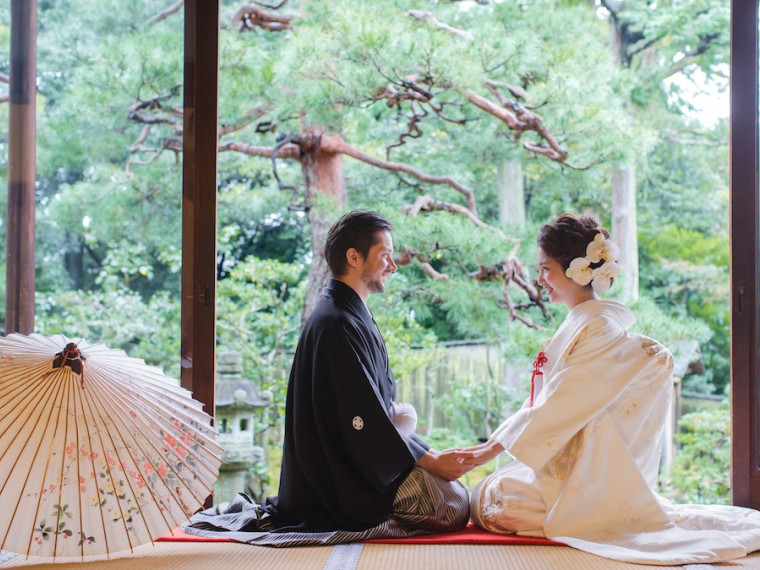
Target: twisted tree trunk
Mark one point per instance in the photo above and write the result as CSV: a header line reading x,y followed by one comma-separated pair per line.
x,y
323,177
511,186
625,226
623,176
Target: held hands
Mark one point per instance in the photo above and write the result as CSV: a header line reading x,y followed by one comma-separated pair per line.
x,y
451,464
483,453
448,465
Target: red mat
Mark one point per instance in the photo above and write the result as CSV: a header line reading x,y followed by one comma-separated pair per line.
x,y
471,534
468,535
178,536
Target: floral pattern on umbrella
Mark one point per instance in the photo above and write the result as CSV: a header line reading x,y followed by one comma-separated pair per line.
x,y
99,456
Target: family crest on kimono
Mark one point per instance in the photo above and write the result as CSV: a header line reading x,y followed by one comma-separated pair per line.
x,y
353,467
586,444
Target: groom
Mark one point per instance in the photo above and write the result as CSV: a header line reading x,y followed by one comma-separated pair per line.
x,y
348,471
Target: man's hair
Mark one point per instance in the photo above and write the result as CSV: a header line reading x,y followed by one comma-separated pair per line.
x,y
568,237
357,229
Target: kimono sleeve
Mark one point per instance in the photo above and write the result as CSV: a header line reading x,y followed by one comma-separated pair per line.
x,y
593,374
416,445
356,415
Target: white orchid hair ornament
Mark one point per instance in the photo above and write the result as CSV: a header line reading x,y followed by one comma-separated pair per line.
x,y
599,267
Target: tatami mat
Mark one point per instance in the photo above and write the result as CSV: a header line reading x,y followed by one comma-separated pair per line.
x,y
478,557
233,556
191,556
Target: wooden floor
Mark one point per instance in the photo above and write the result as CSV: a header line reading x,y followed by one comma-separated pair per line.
x,y
233,556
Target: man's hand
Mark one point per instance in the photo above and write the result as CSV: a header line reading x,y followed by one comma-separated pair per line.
x,y
451,464
448,465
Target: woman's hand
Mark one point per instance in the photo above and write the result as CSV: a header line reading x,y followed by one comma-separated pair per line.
x,y
451,464
480,454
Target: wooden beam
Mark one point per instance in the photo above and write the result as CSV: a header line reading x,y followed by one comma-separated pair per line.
x,y
199,176
22,140
745,249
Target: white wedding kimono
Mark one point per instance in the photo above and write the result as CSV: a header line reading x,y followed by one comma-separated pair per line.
x,y
587,454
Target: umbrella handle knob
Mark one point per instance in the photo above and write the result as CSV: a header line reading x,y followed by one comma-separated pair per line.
x,y
72,357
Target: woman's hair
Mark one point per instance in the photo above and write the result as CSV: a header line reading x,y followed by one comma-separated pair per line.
x,y
358,230
568,237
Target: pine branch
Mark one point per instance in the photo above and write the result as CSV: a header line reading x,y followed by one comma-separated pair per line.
x,y
430,19
250,17
337,145
174,8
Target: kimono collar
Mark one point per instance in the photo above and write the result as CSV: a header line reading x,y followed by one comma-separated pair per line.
x,y
345,295
617,311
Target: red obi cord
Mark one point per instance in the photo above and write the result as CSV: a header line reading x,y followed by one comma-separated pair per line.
x,y
538,363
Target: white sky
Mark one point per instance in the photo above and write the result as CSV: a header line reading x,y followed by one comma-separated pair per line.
x,y
710,99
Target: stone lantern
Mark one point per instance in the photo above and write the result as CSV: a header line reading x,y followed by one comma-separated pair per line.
x,y
237,400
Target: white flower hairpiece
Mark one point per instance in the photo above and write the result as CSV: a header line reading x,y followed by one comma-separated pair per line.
x,y
601,249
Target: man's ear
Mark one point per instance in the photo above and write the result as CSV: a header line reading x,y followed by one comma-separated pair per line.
x,y
352,257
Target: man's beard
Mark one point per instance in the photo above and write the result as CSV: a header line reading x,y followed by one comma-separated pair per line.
x,y
374,284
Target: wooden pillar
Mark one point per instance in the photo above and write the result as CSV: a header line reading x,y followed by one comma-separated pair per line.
x,y
745,249
199,176
19,277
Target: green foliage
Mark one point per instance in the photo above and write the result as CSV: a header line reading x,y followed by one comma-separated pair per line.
x,y
685,179
688,274
109,219
473,408
699,473
457,306
402,333
258,315
119,319
256,221
344,52
653,321
476,407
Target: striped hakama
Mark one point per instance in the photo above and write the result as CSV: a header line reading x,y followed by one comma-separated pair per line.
x,y
424,504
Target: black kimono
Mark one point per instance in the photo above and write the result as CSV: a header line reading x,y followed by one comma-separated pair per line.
x,y
343,460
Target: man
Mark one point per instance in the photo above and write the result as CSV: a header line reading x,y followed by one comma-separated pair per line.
x,y
347,472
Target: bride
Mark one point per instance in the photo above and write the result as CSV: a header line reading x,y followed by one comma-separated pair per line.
x,y
587,442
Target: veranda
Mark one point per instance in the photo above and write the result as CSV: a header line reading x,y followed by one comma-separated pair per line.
x,y
198,325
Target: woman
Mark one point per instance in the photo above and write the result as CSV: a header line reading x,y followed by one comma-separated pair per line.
x,y
588,440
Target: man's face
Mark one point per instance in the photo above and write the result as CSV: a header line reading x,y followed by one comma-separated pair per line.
x,y
378,264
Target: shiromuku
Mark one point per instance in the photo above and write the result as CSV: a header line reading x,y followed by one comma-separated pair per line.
x,y
587,442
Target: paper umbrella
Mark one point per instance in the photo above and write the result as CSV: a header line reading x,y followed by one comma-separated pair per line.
x,y
99,452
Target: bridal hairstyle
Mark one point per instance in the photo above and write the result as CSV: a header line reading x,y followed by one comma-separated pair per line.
x,y
357,229
568,237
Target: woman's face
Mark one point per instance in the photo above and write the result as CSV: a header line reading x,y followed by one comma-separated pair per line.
x,y
560,288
